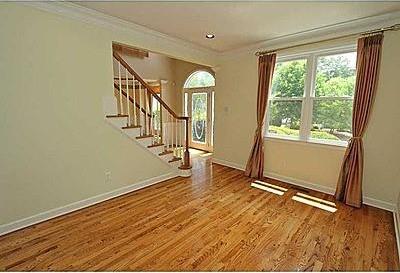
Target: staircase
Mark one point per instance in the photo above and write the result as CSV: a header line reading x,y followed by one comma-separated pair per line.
x,y
145,118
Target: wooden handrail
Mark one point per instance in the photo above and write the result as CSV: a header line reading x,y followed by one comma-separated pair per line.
x,y
131,100
147,86
186,155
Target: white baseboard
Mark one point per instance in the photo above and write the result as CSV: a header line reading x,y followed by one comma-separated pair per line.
x,y
228,164
378,203
43,216
298,182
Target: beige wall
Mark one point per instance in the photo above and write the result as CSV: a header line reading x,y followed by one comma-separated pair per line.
x,y
317,164
55,144
382,138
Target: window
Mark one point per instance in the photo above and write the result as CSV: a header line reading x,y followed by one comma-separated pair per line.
x,y
200,79
312,97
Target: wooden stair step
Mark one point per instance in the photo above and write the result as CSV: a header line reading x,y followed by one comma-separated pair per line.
x,y
144,136
165,153
174,159
155,145
116,116
131,127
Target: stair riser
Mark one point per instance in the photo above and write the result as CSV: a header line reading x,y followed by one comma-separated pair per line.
x,y
145,141
175,164
166,157
156,150
118,122
132,133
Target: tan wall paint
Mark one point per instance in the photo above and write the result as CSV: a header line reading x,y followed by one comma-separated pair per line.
x,y
55,144
382,138
236,93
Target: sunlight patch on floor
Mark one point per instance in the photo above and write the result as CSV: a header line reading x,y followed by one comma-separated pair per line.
x,y
271,185
316,199
199,153
266,188
315,202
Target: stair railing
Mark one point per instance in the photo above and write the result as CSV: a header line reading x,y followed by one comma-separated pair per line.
x,y
146,110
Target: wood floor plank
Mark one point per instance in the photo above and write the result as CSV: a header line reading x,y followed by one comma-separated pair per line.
x,y
213,220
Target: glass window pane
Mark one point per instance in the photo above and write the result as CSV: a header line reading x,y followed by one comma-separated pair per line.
x,y
284,118
199,117
289,78
336,75
185,104
200,79
332,119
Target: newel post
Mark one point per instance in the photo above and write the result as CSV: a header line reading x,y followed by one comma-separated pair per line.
x,y
186,156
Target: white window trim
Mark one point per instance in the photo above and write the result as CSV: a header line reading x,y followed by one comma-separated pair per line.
x,y
309,92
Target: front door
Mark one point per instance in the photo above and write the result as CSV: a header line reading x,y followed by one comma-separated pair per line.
x,y
199,103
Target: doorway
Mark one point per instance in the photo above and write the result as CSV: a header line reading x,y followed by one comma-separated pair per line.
x,y
199,98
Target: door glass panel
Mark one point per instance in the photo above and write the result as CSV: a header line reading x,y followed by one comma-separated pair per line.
x,y
212,117
199,117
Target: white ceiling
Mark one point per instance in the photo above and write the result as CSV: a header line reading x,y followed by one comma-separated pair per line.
x,y
238,24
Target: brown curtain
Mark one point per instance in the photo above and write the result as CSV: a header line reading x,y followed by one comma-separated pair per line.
x,y
255,163
349,186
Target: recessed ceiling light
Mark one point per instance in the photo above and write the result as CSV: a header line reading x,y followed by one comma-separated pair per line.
x,y
210,36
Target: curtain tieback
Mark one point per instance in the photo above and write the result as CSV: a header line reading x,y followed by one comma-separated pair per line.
x,y
354,138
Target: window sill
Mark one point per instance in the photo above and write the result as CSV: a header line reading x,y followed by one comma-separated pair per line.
x,y
325,144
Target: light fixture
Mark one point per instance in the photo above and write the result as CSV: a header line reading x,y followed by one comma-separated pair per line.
x,y
210,36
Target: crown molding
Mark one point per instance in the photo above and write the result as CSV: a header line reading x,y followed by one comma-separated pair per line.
x,y
90,16
86,15
326,32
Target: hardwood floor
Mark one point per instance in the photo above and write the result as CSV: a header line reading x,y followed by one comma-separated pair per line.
x,y
211,221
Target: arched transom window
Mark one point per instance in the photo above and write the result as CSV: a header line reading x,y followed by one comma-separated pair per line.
x,y
200,79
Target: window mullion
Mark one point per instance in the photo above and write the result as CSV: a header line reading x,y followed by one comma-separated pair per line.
x,y
306,113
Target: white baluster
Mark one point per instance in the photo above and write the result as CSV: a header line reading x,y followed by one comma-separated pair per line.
x,y
184,139
166,131
145,113
159,123
176,137
164,139
171,123
134,101
151,123
127,97
120,89
180,139
140,110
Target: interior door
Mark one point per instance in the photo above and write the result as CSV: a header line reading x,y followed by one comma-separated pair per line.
x,y
199,104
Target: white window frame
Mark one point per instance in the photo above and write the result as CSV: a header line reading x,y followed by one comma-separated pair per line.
x,y
308,95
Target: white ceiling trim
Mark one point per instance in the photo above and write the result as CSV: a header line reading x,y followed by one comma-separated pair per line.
x,y
327,32
86,15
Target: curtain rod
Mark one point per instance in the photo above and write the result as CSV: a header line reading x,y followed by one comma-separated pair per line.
x,y
371,32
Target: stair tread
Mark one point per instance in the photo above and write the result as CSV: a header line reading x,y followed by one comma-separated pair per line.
x,y
165,153
175,159
155,145
144,136
131,126
116,116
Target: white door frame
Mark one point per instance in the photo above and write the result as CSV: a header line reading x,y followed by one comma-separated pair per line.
x,y
208,146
